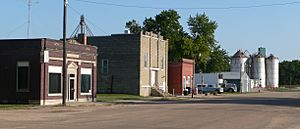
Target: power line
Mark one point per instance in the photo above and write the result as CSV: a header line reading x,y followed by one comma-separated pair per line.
x,y
90,22
190,8
15,29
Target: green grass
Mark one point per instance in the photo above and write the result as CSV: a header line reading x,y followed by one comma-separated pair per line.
x,y
15,106
283,89
116,97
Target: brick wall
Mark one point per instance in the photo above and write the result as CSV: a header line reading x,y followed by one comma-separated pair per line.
x,y
122,52
12,51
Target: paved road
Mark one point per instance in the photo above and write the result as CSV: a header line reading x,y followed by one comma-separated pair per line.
x,y
247,111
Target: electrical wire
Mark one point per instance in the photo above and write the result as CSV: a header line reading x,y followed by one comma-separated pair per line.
x,y
79,14
90,22
190,8
17,28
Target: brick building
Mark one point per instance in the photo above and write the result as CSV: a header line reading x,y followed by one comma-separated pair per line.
x,y
131,63
31,71
181,76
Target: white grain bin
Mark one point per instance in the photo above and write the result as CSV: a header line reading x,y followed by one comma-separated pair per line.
x,y
238,61
272,64
259,69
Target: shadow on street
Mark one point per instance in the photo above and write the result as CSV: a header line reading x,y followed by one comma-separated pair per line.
x,y
289,102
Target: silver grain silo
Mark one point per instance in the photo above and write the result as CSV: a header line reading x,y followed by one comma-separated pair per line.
x,y
259,69
238,61
272,64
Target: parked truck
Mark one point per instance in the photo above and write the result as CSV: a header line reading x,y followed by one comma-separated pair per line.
x,y
206,88
230,87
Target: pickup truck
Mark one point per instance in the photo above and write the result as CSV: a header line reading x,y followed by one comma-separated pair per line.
x,y
230,87
205,88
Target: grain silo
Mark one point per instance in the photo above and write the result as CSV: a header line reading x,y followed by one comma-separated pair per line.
x,y
238,61
272,64
259,69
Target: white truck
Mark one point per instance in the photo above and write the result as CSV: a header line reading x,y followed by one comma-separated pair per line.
x,y
206,88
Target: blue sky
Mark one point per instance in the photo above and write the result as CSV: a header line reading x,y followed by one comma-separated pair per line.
x,y
275,27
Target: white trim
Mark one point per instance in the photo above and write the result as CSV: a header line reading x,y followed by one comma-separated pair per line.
x,y
46,56
54,94
54,69
86,71
73,55
74,60
90,93
154,68
51,102
145,86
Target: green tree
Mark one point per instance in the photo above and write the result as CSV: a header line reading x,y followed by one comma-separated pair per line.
x,y
202,32
201,27
219,60
133,26
167,24
289,72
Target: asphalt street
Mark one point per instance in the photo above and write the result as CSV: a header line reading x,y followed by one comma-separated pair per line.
x,y
247,111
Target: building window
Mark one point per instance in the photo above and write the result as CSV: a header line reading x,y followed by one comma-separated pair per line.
x,y
104,67
85,83
184,82
54,83
220,76
23,76
86,80
54,80
162,62
146,60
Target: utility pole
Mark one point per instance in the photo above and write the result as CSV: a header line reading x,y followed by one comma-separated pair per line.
x,y
64,54
193,85
28,20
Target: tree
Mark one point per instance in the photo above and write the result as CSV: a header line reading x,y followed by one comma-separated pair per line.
x,y
202,32
201,27
219,60
167,24
289,72
133,26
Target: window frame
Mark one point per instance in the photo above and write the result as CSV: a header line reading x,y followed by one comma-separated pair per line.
x,y
162,63
55,69
102,66
86,71
23,64
146,59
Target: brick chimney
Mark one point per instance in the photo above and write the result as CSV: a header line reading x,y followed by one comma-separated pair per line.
x,y
82,39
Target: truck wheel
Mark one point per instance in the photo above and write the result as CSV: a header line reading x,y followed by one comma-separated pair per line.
x,y
230,90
